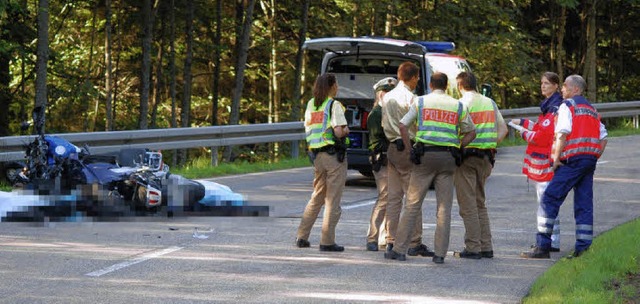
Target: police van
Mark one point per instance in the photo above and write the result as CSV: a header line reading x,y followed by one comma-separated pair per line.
x,y
360,62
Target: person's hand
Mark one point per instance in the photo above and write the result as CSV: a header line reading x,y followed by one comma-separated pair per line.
x,y
515,121
556,164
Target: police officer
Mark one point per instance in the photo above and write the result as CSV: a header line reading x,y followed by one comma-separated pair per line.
x,y
444,126
471,176
580,141
395,105
539,136
325,125
378,145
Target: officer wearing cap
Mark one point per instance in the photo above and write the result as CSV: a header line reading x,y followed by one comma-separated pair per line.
x,y
444,126
378,145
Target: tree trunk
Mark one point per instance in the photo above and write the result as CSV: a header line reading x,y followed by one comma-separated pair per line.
x,y
388,24
297,87
240,66
591,60
356,11
560,53
159,83
216,77
186,97
172,71
216,64
87,83
172,63
145,75
41,63
107,63
5,95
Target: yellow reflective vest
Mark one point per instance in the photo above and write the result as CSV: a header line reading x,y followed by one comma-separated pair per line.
x,y
483,112
438,122
317,134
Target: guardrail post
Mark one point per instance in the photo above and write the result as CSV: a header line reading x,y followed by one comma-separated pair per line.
x,y
214,156
635,121
295,149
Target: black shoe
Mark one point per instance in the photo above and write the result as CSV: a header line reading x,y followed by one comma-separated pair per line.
x,y
333,247
302,243
487,254
578,253
392,255
468,255
372,246
536,253
389,247
438,259
422,250
554,249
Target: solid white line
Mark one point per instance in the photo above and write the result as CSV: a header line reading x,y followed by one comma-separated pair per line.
x,y
133,261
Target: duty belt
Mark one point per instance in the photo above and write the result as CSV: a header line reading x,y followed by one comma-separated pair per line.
x,y
328,148
478,152
436,149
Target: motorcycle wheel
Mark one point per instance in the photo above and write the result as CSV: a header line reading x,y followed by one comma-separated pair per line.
x,y
11,174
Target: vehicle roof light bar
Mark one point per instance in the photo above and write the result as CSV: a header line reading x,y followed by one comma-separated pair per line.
x,y
438,46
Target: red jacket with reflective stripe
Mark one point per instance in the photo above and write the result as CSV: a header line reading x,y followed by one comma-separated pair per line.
x,y
584,138
538,162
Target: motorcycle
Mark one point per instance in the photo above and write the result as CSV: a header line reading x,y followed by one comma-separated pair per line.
x,y
54,163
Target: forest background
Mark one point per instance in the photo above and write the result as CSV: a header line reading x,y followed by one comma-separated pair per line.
x,y
101,65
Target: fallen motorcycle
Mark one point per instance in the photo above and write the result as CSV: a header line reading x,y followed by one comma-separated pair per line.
x,y
56,166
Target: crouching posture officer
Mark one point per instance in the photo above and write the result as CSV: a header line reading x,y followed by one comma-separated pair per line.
x,y
478,160
325,126
580,141
444,126
378,145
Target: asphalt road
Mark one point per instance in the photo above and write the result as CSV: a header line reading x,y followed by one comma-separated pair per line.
x,y
254,260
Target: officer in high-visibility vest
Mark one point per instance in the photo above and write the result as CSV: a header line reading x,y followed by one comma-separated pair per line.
x,y
325,126
378,145
444,126
580,141
539,136
478,159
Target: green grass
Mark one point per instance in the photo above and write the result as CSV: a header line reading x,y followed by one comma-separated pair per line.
x,y
598,276
201,167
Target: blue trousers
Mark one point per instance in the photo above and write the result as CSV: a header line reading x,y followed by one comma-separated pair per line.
x,y
576,174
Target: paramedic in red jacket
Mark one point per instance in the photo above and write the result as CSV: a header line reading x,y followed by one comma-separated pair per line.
x,y
539,136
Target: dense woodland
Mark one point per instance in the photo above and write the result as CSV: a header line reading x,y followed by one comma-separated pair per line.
x,y
138,64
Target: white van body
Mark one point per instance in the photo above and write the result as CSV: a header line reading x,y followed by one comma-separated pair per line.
x,y
359,63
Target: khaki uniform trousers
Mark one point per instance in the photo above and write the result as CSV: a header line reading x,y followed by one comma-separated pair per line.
x,y
399,171
328,184
469,180
437,167
376,221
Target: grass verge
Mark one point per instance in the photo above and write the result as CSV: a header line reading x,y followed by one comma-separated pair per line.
x,y
607,273
201,168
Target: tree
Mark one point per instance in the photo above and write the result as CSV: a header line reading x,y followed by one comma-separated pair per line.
x,y
297,88
245,38
41,63
108,67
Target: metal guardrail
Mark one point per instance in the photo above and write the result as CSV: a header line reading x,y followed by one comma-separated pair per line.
x,y
13,147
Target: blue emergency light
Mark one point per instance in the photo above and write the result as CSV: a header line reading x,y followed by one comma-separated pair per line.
x,y
438,46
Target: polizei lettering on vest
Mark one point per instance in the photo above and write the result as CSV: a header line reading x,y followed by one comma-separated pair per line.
x,y
440,116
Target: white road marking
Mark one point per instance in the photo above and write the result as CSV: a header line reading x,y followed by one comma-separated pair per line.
x,y
366,203
133,261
